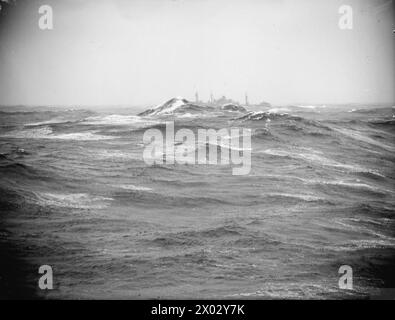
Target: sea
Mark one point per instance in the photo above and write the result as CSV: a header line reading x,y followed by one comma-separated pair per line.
x,y
77,195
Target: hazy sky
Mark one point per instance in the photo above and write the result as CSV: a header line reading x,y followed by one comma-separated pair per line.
x,y
129,52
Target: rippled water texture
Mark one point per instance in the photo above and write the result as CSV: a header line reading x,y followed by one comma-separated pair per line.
x,y
77,195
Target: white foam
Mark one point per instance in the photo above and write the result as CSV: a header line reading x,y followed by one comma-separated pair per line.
x,y
279,110
83,136
353,245
35,133
357,136
47,133
72,200
290,290
116,154
52,121
133,187
315,158
115,119
304,197
311,106
174,105
355,185
190,115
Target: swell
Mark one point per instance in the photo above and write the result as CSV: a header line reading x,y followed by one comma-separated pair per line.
x,y
279,125
147,198
322,161
265,116
151,198
192,125
9,168
197,237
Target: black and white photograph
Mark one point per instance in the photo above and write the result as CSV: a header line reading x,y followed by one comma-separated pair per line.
x,y
227,150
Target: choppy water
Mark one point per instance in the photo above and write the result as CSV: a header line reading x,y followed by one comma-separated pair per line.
x,y
77,195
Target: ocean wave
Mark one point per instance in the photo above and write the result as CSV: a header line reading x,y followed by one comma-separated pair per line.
x,y
311,106
318,159
187,152
298,197
366,225
116,154
373,209
279,110
288,120
224,146
160,200
370,110
232,231
72,200
11,169
172,240
133,187
255,242
47,133
120,120
261,132
301,290
26,112
277,114
354,245
17,166
383,122
35,133
350,185
360,137
262,115
179,182
54,121
178,106
187,222
81,136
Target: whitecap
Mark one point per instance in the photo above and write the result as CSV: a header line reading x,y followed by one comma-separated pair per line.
x,y
311,106
278,110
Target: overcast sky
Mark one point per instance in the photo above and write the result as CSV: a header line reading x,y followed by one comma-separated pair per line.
x,y
104,52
